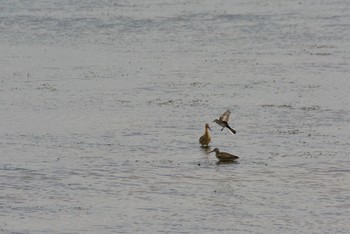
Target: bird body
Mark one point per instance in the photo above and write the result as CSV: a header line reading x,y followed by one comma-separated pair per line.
x,y
223,121
206,138
223,156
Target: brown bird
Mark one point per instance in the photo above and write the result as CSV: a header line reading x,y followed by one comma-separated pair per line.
x,y
206,138
223,156
223,121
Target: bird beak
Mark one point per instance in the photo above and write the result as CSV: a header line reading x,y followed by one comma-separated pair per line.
x,y
211,152
209,128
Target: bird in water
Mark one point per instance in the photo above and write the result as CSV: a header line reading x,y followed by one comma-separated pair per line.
x,y
223,121
206,138
223,156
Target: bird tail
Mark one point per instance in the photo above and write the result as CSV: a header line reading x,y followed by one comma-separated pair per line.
x,y
231,129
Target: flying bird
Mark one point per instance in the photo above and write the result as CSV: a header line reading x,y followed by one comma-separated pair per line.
x,y
223,156
206,138
223,121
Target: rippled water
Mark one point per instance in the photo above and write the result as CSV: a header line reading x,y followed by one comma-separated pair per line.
x,y
102,104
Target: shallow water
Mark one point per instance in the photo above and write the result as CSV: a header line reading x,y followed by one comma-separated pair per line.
x,y
102,104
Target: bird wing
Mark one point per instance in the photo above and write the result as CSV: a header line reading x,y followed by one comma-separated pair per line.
x,y
225,116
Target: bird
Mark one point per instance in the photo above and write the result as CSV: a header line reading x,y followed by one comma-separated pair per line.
x,y
206,138
223,156
223,121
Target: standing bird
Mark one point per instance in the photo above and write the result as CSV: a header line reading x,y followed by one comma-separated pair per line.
x,y
223,156
206,138
223,121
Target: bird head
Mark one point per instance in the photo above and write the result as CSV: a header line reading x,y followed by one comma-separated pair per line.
x,y
216,150
216,121
207,126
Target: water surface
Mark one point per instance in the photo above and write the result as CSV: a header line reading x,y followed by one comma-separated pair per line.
x,y
103,102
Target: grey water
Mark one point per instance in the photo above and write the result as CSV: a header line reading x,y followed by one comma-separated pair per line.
x,y
102,104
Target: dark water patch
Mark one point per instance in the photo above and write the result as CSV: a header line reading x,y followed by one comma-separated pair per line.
x,y
136,133
47,208
241,17
156,162
321,50
178,102
159,102
282,106
199,84
310,108
289,132
312,155
14,168
124,102
47,87
321,54
339,170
